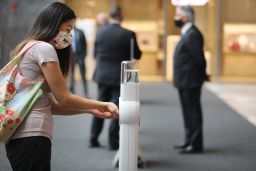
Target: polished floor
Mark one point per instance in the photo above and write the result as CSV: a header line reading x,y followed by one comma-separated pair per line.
x,y
229,137
240,97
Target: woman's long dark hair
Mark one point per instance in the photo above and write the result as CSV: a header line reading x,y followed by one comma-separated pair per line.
x,y
46,27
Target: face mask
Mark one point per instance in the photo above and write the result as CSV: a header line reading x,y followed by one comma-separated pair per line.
x,y
62,40
178,23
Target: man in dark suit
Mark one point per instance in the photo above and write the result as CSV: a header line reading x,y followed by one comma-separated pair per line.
x,y
112,46
189,75
78,53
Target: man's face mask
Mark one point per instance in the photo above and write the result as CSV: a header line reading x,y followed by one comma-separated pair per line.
x,y
62,40
178,23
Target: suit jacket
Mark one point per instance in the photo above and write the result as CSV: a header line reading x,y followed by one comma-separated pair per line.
x,y
112,46
79,43
189,61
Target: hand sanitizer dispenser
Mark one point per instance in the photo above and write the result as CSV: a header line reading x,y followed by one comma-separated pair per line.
x,y
129,157
129,105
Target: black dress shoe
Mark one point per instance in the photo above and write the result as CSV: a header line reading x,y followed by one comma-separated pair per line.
x,y
94,144
113,147
191,150
183,146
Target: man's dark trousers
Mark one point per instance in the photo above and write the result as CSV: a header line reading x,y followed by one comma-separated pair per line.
x,y
192,114
107,93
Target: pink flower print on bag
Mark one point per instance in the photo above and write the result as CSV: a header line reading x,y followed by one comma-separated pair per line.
x,y
10,88
1,117
9,112
7,92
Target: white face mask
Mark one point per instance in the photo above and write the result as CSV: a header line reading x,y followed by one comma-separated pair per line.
x,y
62,40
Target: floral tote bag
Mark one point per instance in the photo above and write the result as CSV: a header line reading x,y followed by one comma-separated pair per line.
x,y
17,95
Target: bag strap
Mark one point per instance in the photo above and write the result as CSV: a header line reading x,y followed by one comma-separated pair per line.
x,y
26,47
24,50
16,60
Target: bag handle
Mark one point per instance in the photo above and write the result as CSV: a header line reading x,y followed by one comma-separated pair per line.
x,y
23,50
26,47
16,60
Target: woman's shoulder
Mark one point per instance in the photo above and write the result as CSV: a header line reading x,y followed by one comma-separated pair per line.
x,y
42,48
44,52
41,45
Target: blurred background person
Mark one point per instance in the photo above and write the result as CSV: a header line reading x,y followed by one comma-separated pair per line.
x,y
102,19
189,75
112,46
77,56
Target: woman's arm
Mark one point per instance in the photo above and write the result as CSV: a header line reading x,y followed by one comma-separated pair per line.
x,y
68,101
56,109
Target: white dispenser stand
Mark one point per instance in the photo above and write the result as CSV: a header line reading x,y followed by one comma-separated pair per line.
x,y
128,158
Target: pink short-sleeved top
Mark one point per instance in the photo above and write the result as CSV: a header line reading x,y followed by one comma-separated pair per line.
x,y
39,122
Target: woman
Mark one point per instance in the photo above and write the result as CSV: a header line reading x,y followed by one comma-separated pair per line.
x,y
30,146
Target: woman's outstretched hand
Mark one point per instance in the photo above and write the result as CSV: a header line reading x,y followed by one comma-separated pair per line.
x,y
110,111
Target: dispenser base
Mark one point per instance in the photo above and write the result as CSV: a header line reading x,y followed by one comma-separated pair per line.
x,y
141,160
